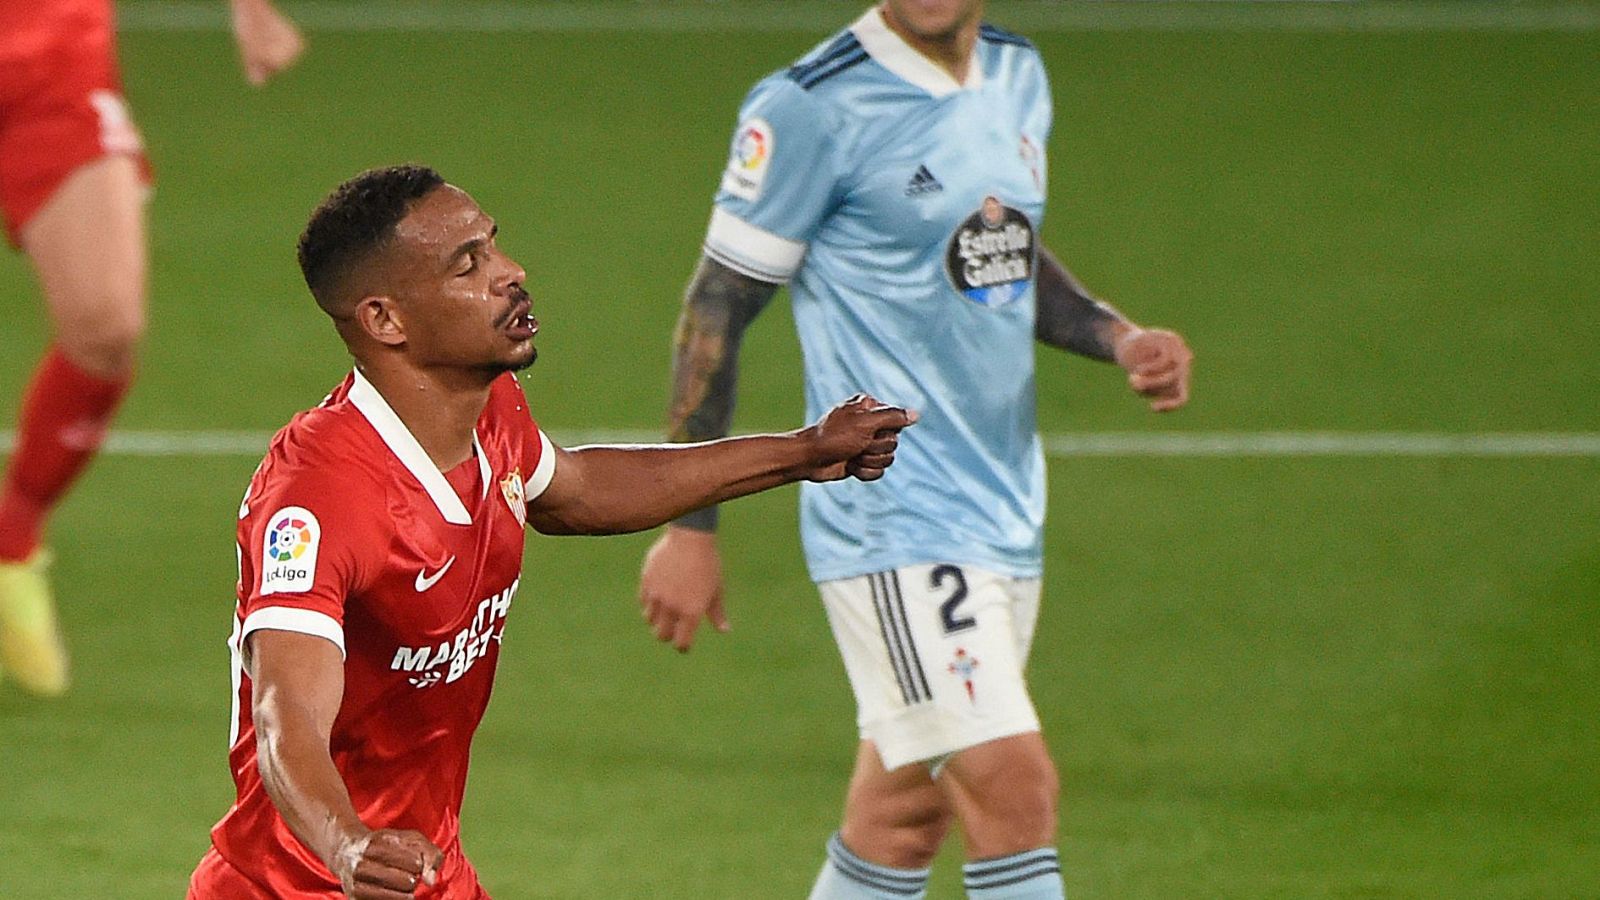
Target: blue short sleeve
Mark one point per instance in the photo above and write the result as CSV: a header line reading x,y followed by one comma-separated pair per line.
x,y
781,182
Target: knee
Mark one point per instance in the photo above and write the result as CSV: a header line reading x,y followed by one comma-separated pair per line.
x,y
915,844
105,341
907,839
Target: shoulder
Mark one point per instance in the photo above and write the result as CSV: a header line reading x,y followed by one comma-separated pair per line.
x,y
827,61
333,437
329,453
1011,52
807,87
994,34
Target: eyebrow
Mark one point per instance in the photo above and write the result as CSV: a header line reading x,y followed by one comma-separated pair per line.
x,y
470,245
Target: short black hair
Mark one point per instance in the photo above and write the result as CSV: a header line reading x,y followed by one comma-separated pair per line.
x,y
357,218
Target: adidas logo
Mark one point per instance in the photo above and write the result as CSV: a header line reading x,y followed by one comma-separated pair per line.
x,y
923,182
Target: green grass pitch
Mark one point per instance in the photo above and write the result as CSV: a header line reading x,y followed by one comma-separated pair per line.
x,y
1341,678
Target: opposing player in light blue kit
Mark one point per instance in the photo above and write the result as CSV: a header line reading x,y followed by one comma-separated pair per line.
x,y
895,179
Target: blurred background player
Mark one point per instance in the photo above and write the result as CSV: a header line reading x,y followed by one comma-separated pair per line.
x,y
895,179
73,183
381,545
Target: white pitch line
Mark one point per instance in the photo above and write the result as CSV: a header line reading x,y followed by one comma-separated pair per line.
x,y
824,16
1112,444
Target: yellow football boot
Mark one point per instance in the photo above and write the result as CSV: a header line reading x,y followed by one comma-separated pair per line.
x,y
31,649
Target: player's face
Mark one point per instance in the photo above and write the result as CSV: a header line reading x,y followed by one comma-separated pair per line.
x,y
934,20
461,298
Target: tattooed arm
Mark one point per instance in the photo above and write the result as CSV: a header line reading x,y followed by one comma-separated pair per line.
x,y
717,308
1157,361
681,582
1072,320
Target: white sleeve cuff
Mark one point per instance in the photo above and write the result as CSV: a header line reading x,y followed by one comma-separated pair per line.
x,y
289,618
751,250
539,478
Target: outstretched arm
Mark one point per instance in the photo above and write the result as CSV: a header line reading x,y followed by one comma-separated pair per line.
x,y
268,40
297,685
1069,318
618,489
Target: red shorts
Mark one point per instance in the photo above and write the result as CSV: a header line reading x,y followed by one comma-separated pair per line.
x,y
215,879
61,107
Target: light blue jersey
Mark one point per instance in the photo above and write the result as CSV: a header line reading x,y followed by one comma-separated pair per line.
x,y
903,209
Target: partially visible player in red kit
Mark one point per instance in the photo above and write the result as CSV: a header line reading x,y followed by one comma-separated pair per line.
x,y
380,547
73,181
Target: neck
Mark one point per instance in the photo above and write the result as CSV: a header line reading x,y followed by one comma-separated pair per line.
x,y
951,52
439,407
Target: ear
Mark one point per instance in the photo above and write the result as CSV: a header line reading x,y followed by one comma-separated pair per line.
x,y
379,317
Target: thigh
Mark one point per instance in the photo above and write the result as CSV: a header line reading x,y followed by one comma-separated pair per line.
x,y
1005,793
67,113
893,817
934,658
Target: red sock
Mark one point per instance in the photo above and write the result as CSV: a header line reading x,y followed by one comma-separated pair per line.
x,y
64,417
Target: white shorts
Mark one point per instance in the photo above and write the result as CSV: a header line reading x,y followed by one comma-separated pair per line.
x,y
935,655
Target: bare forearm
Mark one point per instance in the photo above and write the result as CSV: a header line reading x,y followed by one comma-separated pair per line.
x,y
302,781
628,489
717,308
1070,319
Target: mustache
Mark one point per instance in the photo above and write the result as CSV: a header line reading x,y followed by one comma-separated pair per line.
x,y
519,296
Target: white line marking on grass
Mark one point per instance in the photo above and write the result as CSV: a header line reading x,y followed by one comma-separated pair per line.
x,y
1199,444
826,16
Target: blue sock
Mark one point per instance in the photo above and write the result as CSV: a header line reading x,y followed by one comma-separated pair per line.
x,y
846,876
1029,875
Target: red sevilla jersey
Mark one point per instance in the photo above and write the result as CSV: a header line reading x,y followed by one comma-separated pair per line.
x,y
30,27
350,533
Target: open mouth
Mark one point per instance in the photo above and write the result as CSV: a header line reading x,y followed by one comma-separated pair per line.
x,y
520,324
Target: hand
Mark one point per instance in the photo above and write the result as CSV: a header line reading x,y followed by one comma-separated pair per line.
x,y
1157,362
857,438
268,41
682,583
387,864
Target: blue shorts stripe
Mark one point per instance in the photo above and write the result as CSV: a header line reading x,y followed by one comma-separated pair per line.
x,y
879,606
916,658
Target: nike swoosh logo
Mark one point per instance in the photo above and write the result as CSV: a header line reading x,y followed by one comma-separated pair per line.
x,y
425,581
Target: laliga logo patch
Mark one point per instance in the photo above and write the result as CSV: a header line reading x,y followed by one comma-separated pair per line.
x,y
747,165
289,551
991,255
516,497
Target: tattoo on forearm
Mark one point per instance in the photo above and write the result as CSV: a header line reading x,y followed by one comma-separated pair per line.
x,y
717,308
1069,317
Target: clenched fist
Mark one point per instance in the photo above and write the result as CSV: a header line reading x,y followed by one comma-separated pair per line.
x,y
1157,362
857,438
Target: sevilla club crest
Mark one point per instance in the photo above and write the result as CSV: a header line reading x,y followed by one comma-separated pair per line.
x,y
516,497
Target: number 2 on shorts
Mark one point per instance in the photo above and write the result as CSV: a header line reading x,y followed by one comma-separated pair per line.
x,y
948,609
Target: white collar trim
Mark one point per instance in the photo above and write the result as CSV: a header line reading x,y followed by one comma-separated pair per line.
x,y
893,53
376,410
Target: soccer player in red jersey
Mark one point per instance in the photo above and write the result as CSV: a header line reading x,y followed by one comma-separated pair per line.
x,y
73,181
380,547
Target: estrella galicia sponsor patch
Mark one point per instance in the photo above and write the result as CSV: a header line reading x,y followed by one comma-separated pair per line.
x,y
991,256
289,551
749,160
